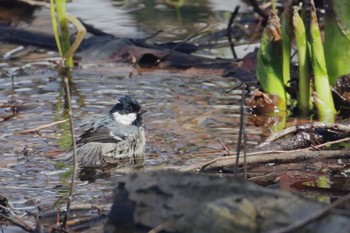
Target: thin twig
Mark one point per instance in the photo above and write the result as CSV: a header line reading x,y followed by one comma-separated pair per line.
x,y
259,11
268,157
244,134
202,168
260,157
224,147
15,220
229,31
293,129
36,3
42,127
18,222
331,143
318,214
300,150
189,37
75,164
240,133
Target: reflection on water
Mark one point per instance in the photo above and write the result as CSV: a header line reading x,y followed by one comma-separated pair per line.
x,y
138,19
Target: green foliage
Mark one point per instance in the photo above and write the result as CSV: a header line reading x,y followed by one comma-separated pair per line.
x,y
60,22
60,28
273,62
337,39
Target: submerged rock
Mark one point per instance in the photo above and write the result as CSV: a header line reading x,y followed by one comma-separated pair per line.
x,y
185,202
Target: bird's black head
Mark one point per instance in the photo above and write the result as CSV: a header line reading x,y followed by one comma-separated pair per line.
x,y
127,106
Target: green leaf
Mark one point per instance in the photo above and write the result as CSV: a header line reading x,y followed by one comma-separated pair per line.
x,y
341,15
337,39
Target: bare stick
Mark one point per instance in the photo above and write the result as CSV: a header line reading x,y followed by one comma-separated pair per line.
x,y
36,3
267,157
15,220
258,10
293,129
241,122
75,164
244,134
42,127
229,31
298,224
304,149
224,147
259,157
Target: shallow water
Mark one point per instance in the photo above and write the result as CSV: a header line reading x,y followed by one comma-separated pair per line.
x,y
187,115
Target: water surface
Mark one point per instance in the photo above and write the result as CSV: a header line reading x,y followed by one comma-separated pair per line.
x,y
188,115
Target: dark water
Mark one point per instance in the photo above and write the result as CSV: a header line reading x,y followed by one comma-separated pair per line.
x,y
187,114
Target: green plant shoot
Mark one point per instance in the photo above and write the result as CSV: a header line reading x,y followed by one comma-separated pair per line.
x,y
60,25
323,97
304,89
287,46
269,61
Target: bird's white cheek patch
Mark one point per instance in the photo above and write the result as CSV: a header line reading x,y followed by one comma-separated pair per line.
x,y
125,119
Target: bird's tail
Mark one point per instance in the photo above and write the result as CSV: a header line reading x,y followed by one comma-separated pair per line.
x,y
86,156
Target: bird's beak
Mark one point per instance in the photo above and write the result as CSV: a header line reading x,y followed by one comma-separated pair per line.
x,y
141,112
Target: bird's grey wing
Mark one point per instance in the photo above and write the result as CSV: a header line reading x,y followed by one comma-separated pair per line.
x,y
92,123
114,137
102,135
107,132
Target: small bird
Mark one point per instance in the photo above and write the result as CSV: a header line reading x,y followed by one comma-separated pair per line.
x,y
117,138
